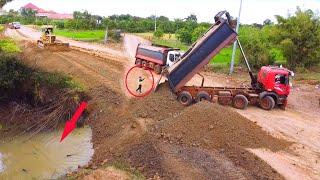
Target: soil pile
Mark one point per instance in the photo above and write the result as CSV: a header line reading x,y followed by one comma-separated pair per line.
x,y
214,127
160,105
156,131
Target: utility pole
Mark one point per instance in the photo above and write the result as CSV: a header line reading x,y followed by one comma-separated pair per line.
x,y
155,22
106,36
235,43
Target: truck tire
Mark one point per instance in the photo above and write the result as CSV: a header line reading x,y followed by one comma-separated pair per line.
x,y
185,98
144,63
138,62
157,69
240,101
225,98
267,103
203,96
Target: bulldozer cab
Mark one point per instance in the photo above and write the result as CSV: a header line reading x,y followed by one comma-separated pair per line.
x,y
48,40
47,34
47,30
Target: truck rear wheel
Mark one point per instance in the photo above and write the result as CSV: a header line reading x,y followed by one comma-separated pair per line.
x,y
225,98
240,101
203,96
144,63
185,98
267,103
157,69
138,62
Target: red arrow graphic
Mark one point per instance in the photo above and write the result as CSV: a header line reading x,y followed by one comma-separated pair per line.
x,y
71,124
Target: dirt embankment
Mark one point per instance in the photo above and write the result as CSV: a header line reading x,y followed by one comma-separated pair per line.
x,y
160,138
156,135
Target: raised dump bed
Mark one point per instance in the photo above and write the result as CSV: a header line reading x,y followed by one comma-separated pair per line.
x,y
217,37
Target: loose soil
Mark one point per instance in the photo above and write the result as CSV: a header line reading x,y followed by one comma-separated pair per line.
x,y
159,137
136,131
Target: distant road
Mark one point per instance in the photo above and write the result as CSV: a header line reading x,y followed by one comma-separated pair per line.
x,y
131,42
27,33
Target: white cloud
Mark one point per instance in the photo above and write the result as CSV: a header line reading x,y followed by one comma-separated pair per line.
x,y
254,11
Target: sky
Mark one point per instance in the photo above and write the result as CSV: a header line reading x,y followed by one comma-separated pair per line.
x,y
253,11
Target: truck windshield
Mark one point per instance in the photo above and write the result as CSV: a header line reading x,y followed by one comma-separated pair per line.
x,y
282,79
177,56
171,57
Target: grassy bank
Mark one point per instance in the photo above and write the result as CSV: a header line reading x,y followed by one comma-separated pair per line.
x,y
8,46
34,98
17,79
82,35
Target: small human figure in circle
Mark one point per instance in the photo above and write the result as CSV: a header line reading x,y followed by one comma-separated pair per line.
x,y
140,82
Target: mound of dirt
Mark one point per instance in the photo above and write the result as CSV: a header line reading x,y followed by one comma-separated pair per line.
x,y
160,105
217,127
213,127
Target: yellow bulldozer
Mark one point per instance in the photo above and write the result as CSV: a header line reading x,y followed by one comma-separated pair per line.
x,y
49,41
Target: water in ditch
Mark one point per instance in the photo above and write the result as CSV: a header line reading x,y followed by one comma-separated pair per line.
x,y
43,156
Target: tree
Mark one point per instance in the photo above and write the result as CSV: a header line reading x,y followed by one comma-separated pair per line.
x,y
192,18
267,22
198,32
158,33
163,18
299,37
256,45
4,2
184,35
28,15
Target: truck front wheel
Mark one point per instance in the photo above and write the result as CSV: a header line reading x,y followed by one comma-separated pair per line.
x,y
158,69
185,98
267,103
203,96
240,102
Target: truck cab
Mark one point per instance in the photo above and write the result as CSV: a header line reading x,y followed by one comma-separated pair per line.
x,y
172,57
275,79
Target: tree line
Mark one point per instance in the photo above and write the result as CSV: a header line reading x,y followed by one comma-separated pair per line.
x,y
292,40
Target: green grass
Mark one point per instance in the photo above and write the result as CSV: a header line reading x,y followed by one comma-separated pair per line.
x,y
59,80
82,35
1,28
8,46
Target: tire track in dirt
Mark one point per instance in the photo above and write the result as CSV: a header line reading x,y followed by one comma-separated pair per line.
x,y
92,71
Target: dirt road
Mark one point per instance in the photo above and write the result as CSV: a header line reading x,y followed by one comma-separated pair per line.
x,y
118,132
131,42
31,34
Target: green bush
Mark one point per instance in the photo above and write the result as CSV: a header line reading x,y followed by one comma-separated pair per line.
x,y
158,33
184,35
198,32
299,37
256,46
12,73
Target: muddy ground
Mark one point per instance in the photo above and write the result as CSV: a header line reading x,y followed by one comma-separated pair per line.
x,y
160,138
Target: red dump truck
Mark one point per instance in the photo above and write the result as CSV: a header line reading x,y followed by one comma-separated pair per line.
x,y
156,57
268,90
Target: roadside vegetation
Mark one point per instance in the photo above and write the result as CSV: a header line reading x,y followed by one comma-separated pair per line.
x,y
14,74
27,93
291,41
